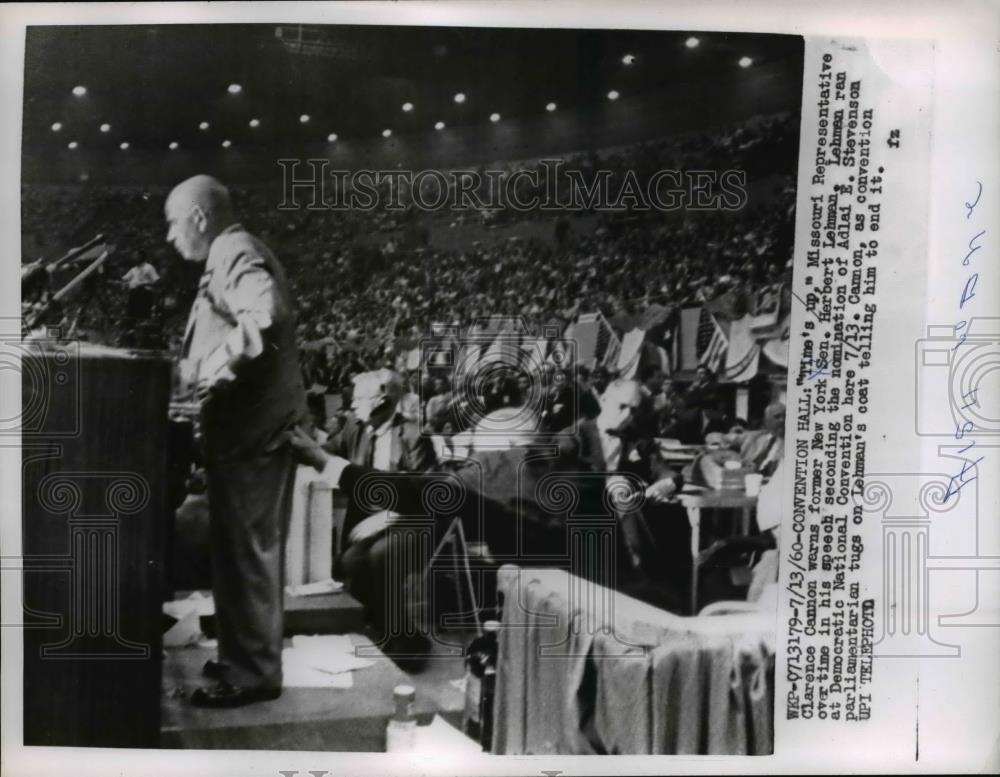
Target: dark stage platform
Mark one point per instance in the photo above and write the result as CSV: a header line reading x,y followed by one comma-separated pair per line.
x,y
321,719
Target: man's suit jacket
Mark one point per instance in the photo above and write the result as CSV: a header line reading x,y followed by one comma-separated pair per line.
x,y
240,338
410,450
691,427
515,500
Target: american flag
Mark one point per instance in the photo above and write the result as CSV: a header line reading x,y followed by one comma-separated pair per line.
x,y
711,342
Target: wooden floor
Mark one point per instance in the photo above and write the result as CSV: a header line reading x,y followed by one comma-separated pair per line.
x,y
351,719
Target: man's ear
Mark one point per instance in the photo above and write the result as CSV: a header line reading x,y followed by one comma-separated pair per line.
x,y
200,219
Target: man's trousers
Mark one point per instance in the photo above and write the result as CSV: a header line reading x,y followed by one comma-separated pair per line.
x,y
250,501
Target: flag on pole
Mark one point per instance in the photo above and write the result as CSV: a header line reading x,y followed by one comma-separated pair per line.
x,y
743,353
712,342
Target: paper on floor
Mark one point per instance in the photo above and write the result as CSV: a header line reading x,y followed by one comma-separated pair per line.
x,y
441,737
320,587
197,602
187,631
328,643
297,673
314,659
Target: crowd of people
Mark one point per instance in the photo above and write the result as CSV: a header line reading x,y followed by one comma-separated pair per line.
x,y
368,283
619,262
642,438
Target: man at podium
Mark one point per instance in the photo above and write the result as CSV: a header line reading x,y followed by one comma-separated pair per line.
x,y
239,361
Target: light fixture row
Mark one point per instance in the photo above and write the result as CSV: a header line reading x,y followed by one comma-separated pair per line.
x,y
407,107
627,59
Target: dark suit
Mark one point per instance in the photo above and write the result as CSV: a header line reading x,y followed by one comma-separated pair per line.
x,y
410,450
521,502
691,427
240,338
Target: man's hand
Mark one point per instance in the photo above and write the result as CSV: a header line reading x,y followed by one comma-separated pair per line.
x,y
204,390
185,381
307,449
623,493
662,490
372,525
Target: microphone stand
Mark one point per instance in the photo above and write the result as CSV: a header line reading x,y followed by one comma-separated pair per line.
x,y
85,277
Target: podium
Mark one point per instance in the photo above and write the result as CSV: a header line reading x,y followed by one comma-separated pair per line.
x,y
94,440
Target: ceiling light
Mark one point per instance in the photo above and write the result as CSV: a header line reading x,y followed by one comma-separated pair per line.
x,y
439,125
254,123
386,133
226,144
550,107
79,91
332,137
692,42
304,118
628,59
105,128
124,145
57,126
173,145
494,117
407,107
71,145
235,89
613,94
203,125
460,98
745,62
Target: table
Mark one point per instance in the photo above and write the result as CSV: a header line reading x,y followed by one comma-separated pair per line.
x,y
693,503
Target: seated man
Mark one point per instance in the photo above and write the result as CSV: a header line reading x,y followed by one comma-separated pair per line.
x,y
513,500
378,433
654,536
762,449
627,434
705,413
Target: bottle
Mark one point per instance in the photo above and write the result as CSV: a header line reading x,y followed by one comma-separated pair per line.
x,y
401,732
482,653
489,685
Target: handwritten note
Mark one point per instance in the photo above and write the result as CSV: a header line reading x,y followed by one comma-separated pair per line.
x,y
969,397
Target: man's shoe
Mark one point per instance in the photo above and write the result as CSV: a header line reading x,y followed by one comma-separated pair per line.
x,y
214,670
226,695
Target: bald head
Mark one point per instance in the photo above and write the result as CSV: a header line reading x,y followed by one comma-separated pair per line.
x,y
197,210
376,395
204,191
774,418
